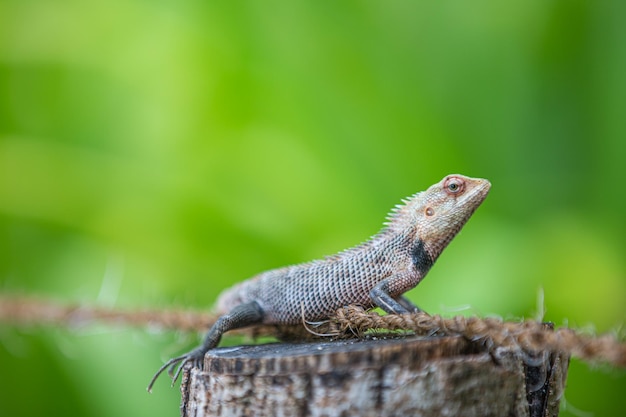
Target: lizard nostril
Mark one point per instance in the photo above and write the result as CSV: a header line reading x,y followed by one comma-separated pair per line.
x,y
429,211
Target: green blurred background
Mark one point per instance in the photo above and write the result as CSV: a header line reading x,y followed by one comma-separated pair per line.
x,y
152,153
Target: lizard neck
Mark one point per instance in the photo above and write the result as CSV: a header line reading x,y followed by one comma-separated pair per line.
x,y
407,244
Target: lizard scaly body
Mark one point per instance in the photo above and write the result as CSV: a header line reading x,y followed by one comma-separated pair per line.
x,y
373,274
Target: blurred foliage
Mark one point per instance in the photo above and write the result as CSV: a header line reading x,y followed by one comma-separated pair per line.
x,y
153,153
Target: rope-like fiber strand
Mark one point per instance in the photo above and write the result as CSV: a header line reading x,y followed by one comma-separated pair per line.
x,y
530,336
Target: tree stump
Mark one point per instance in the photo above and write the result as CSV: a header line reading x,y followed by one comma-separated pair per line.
x,y
404,376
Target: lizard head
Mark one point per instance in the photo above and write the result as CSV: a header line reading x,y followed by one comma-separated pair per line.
x,y
445,208
438,214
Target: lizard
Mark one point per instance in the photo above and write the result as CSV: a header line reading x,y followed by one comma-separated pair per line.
x,y
375,273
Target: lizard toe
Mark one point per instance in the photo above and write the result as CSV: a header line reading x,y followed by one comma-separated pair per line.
x,y
195,357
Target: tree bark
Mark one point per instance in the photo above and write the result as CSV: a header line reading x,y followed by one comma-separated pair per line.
x,y
405,376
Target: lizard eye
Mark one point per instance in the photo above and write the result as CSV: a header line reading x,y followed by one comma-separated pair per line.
x,y
454,185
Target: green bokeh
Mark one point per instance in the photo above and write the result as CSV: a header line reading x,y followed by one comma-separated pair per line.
x,y
153,153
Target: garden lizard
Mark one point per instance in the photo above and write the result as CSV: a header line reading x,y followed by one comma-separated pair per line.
x,y
373,274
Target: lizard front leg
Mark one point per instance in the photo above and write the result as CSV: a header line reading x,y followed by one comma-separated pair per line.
x,y
400,305
240,316
408,304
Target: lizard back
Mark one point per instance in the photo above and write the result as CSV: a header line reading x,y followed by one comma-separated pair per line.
x,y
315,290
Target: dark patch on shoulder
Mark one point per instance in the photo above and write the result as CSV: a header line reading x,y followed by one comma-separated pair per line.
x,y
421,259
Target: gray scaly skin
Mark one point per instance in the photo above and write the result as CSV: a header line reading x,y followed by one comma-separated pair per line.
x,y
375,273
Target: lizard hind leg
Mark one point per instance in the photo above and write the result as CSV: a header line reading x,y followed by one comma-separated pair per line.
x,y
240,316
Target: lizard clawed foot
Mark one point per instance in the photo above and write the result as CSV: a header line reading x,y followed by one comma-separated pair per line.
x,y
195,357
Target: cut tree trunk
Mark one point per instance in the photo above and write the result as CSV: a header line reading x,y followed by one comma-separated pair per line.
x,y
404,376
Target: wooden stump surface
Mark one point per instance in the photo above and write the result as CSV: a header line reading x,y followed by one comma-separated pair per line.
x,y
404,376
